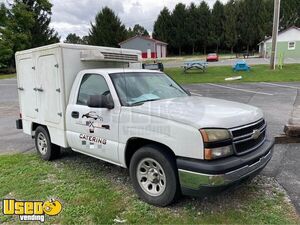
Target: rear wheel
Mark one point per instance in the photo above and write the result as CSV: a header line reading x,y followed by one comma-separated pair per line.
x,y
154,175
45,148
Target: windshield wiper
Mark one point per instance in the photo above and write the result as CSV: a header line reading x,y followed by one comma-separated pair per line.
x,y
143,101
176,88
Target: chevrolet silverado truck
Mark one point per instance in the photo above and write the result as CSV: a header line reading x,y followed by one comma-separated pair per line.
x,y
99,102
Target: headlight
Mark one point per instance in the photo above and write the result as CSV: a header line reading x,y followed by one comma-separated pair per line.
x,y
213,135
216,153
217,143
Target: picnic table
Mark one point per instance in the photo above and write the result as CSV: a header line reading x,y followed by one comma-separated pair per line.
x,y
241,66
153,66
195,64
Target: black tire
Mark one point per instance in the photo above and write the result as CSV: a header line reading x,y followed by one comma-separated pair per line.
x,y
171,190
50,151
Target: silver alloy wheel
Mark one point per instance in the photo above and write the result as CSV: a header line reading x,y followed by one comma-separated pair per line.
x,y
42,143
151,177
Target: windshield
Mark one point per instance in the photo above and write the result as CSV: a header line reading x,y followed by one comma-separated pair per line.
x,y
139,87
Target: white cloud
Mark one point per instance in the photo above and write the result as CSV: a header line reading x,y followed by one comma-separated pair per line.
x,y
69,16
74,16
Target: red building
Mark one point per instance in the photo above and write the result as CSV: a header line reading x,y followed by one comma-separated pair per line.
x,y
150,47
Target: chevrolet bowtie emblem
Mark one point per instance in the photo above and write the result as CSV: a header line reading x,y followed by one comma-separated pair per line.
x,y
256,134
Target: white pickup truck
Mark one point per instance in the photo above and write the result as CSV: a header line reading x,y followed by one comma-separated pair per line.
x,y
98,102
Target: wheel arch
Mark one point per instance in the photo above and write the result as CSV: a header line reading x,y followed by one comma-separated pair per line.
x,y
34,126
135,143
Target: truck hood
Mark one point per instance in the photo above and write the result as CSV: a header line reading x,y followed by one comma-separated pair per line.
x,y
201,112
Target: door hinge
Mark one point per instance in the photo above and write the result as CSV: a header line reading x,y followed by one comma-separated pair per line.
x,y
60,114
21,89
56,65
36,110
58,90
33,67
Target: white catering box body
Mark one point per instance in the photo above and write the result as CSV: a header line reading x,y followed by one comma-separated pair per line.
x,y
45,77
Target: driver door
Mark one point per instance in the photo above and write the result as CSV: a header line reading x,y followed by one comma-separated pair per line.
x,y
93,131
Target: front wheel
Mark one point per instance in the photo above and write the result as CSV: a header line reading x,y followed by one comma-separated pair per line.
x,y
154,175
44,147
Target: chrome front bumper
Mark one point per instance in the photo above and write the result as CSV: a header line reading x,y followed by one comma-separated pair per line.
x,y
191,180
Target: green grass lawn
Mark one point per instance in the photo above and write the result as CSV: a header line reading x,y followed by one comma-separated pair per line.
x,y
258,73
7,76
94,192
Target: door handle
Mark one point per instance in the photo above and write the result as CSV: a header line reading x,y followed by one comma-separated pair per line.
x,y
107,127
38,89
75,114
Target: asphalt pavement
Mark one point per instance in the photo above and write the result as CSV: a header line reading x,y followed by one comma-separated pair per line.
x,y
275,99
284,166
11,139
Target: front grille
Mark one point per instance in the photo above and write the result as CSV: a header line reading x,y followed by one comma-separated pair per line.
x,y
248,129
249,145
244,139
120,57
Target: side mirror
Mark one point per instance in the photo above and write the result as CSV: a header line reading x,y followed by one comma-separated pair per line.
x,y
101,101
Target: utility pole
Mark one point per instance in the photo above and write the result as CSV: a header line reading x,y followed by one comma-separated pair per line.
x,y
275,33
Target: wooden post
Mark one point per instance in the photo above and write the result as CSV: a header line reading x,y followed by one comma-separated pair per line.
x,y
275,33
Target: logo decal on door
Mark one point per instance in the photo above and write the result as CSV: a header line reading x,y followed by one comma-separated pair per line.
x,y
93,121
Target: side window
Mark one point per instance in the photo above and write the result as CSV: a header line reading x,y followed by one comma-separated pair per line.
x,y
291,45
91,84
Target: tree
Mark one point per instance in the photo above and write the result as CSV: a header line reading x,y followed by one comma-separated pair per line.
x,y
3,15
289,15
16,32
6,52
217,24
298,10
85,40
41,33
298,21
107,29
162,26
230,26
140,30
253,22
269,7
137,30
26,26
178,35
204,24
72,38
192,26
130,33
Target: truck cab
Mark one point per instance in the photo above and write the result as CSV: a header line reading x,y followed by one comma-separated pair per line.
x,y
171,142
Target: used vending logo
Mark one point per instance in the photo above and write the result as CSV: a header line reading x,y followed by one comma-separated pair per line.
x,y
31,210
